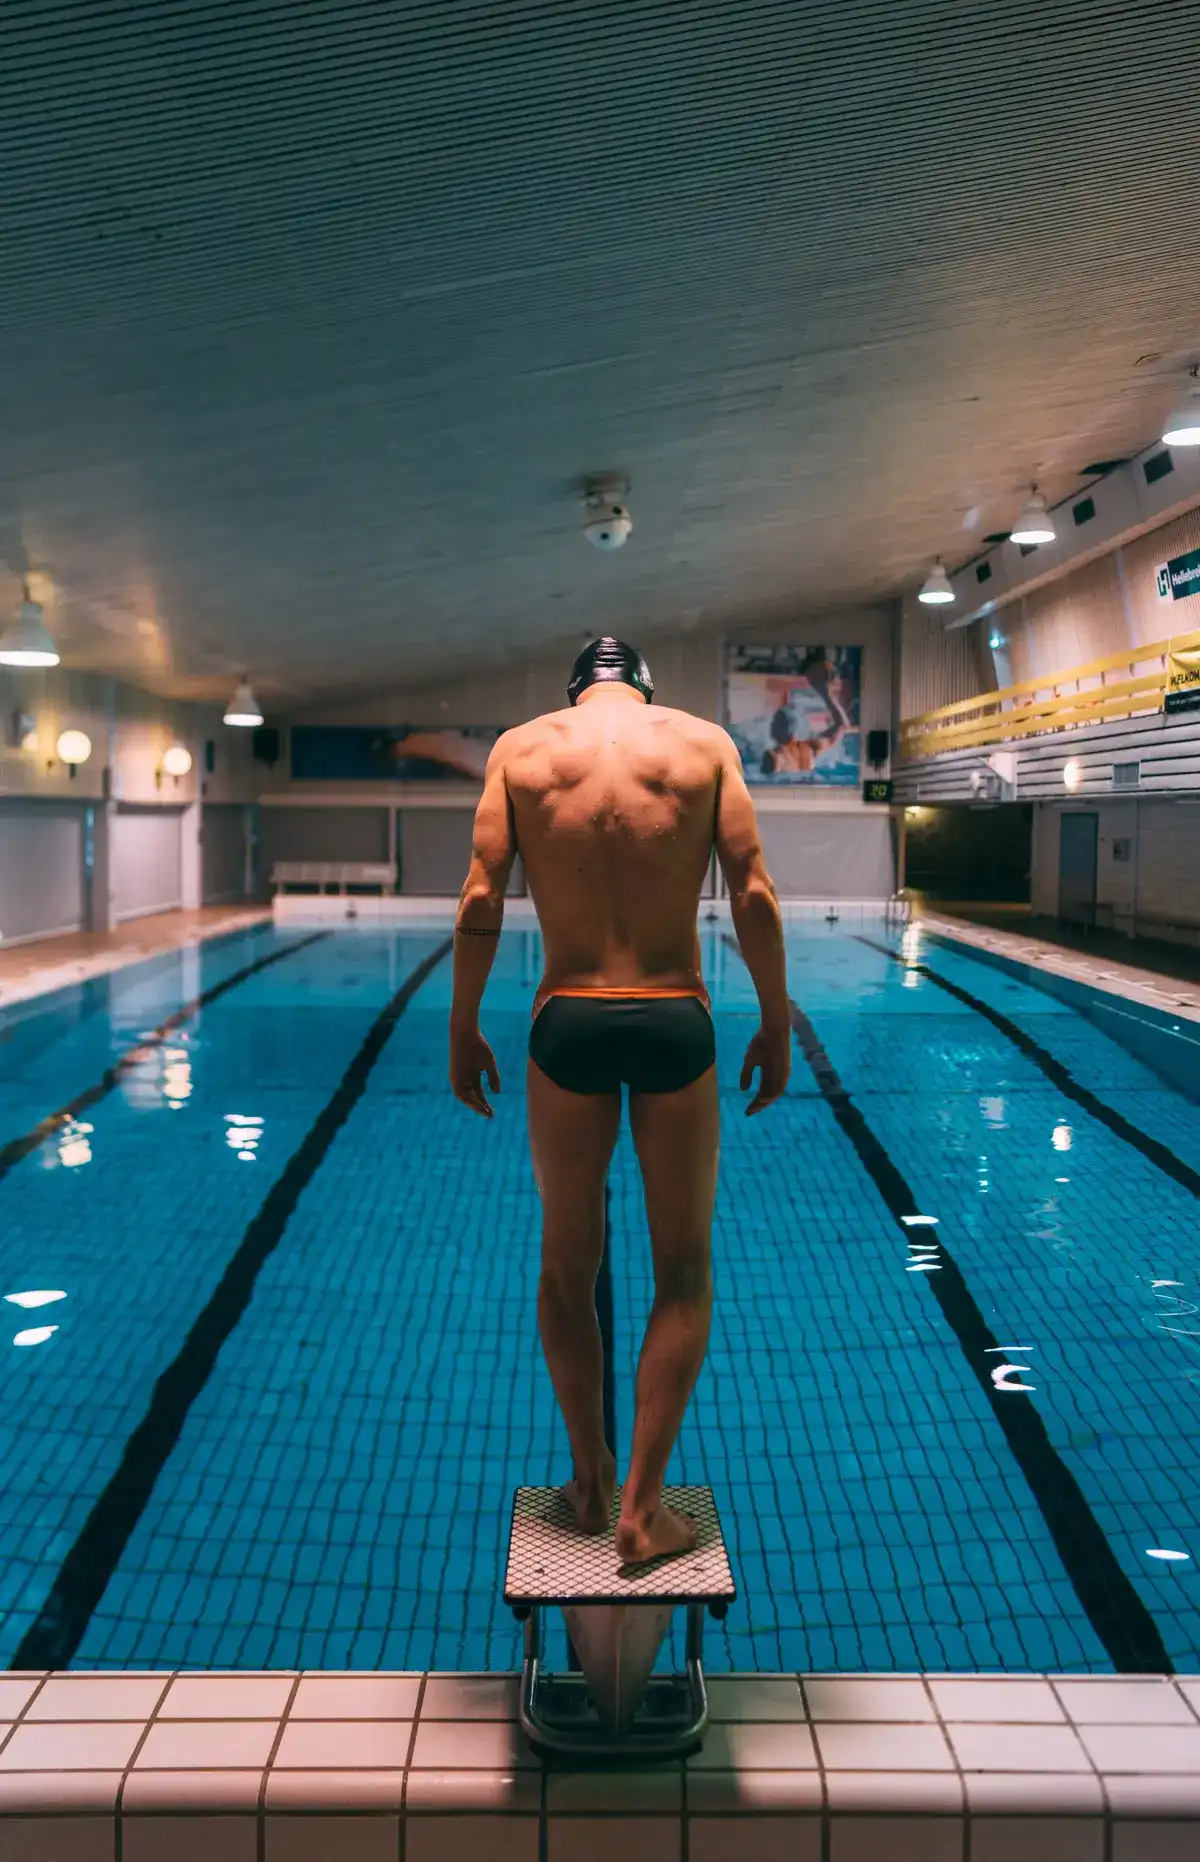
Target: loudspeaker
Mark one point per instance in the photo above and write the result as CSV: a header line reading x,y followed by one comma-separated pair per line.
x,y
879,744
266,744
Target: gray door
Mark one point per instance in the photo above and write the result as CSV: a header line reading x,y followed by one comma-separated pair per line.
x,y
1077,869
147,861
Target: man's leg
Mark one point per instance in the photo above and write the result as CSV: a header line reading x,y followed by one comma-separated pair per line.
x,y
571,1136
677,1138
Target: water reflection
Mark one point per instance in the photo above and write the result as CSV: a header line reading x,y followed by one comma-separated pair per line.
x,y
70,1145
36,1335
38,1297
242,1134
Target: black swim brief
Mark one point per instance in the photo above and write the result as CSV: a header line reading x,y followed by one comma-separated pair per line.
x,y
595,1042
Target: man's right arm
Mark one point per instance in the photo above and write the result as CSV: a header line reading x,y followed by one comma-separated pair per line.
x,y
757,922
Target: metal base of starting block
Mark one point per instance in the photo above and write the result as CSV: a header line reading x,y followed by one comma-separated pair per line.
x,y
616,1617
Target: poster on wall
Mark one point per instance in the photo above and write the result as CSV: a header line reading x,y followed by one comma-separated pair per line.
x,y
1183,680
793,713
398,753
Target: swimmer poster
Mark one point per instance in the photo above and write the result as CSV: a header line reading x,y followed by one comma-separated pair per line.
x,y
793,713
390,753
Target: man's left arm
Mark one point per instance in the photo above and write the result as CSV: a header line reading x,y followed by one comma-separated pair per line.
x,y
476,932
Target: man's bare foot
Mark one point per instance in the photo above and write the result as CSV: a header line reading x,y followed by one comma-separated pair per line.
x,y
590,1499
660,1534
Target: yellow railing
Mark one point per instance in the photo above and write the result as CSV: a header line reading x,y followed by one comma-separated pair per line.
x,y
1055,702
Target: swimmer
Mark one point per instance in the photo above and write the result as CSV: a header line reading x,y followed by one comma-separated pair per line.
x,y
799,754
615,806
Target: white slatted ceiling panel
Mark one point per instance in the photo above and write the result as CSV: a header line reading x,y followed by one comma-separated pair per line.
x,y
313,316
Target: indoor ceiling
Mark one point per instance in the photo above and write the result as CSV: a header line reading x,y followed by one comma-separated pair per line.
x,y
313,317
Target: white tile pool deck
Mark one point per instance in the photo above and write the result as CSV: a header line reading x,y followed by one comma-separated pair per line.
x,y
121,1767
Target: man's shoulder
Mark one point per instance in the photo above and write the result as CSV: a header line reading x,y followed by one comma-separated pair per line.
x,y
700,731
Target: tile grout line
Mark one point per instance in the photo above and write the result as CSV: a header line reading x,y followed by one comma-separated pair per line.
x,y
260,1816
960,1774
119,1802
20,1718
402,1841
1106,1817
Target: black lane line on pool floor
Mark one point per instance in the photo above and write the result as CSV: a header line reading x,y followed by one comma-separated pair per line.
x,y
1152,1149
60,1625
18,1149
1109,1599
605,1318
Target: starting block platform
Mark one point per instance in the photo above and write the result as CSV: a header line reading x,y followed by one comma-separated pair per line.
x,y
616,1617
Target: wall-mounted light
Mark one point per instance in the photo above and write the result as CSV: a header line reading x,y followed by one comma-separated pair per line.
x,y
995,640
1072,773
243,709
74,748
177,760
1183,426
28,642
1034,524
935,591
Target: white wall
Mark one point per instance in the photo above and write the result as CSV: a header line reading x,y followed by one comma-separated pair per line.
x,y
42,881
129,731
688,673
1156,892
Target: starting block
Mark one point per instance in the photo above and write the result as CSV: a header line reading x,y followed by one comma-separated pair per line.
x,y
616,1617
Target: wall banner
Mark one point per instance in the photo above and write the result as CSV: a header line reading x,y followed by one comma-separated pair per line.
x,y
1179,578
793,713
1183,680
376,753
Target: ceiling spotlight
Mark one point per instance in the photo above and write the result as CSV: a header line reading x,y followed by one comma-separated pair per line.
x,y
177,760
74,748
935,589
1034,524
243,708
27,642
1183,428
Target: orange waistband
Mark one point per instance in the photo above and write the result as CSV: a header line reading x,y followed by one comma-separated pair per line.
x,y
635,990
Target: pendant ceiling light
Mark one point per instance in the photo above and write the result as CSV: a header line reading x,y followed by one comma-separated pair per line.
x,y
1034,524
1183,427
935,590
243,708
27,642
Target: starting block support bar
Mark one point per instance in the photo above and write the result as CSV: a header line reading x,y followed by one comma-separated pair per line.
x,y
554,1710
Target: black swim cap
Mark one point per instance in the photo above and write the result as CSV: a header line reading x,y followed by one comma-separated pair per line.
x,y
611,660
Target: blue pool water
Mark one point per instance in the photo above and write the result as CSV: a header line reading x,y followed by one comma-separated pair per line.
x,y
295,1376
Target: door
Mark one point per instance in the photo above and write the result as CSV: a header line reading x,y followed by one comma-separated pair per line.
x,y
1077,869
147,861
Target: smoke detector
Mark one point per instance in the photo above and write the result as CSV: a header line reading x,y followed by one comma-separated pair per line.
x,y
607,524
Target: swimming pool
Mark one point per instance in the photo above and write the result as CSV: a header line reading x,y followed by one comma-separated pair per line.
x,y
276,1415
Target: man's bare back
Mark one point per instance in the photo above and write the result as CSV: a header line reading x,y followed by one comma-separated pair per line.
x,y
615,808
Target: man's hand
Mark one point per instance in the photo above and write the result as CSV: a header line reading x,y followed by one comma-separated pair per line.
x,y
770,1053
470,1058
